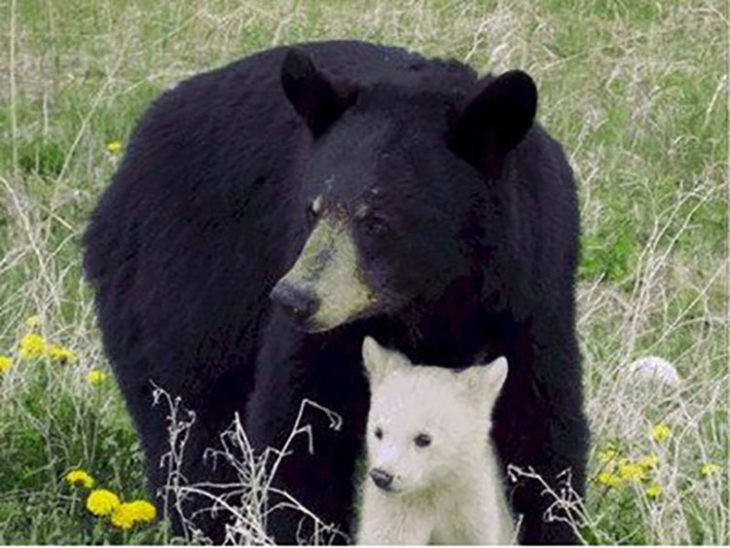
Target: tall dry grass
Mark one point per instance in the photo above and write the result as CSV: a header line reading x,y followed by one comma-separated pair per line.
x,y
637,92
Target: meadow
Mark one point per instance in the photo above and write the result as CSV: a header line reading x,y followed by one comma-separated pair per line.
x,y
636,91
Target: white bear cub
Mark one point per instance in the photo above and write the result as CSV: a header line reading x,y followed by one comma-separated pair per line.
x,y
432,472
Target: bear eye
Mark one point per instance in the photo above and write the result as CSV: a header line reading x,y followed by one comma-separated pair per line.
x,y
378,433
313,210
422,440
376,226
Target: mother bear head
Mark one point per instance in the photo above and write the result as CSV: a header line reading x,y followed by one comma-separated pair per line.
x,y
396,188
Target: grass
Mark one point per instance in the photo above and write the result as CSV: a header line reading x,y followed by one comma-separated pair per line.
x,y
636,91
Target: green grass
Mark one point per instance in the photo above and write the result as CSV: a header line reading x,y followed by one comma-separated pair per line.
x,y
636,91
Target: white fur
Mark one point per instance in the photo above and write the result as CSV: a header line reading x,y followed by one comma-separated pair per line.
x,y
448,492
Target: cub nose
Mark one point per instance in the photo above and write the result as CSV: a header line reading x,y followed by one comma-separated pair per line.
x,y
381,478
299,302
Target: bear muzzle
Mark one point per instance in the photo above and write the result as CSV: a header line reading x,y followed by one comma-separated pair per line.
x,y
300,302
325,287
381,478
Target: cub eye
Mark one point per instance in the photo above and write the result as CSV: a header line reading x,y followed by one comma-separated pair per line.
x,y
379,433
422,440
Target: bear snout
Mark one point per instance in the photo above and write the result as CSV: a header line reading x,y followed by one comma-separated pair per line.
x,y
300,302
381,478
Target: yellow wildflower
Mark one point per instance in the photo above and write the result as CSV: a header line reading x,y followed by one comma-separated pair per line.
x,y
60,353
123,516
33,322
102,502
661,432
710,468
127,514
609,479
653,490
5,364
80,477
32,346
95,377
114,147
630,471
143,510
649,461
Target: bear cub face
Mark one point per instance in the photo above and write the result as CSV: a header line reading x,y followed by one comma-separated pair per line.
x,y
426,424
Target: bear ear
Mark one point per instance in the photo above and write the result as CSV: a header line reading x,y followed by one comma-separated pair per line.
x,y
484,382
495,121
378,360
318,98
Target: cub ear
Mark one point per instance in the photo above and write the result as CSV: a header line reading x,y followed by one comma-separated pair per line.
x,y
378,360
320,99
484,382
495,121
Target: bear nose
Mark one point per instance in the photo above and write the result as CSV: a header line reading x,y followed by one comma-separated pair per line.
x,y
300,302
381,478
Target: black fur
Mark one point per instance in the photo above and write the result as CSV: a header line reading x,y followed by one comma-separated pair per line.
x,y
470,240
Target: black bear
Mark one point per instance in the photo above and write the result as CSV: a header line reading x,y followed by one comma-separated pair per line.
x,y
270,214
